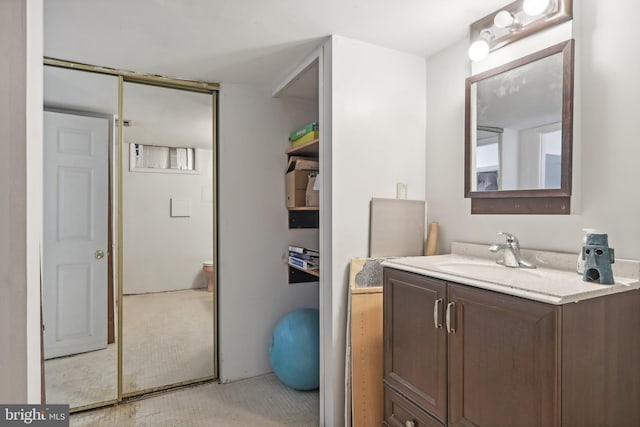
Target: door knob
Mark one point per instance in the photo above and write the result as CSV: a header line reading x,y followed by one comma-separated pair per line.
x,y
99,254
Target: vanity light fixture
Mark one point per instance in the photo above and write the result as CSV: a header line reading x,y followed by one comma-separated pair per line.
x,y
479,49
515,21
504,19
536,7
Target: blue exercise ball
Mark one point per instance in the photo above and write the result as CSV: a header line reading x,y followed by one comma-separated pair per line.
x,y
294,352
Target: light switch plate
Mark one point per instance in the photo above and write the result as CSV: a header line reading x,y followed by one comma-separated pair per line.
x,y
401,191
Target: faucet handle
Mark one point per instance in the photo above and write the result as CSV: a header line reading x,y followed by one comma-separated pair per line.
x,y
511,239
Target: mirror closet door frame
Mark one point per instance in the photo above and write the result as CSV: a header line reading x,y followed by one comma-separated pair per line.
x,y
159,81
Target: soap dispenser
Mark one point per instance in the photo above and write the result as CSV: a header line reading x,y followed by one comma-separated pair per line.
x,y
581,260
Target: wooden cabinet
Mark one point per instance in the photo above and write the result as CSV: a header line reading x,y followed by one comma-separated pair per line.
x,y
415,350
503,360
403,413
456,355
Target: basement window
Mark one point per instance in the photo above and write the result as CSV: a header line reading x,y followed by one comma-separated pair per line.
x,y
152,158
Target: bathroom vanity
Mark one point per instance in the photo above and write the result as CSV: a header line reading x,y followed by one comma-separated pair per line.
x,y
468,342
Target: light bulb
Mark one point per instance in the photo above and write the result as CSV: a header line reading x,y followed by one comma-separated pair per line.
x,y
535,7
503,19
479,50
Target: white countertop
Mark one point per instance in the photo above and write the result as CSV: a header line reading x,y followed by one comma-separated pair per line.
x,y
544,284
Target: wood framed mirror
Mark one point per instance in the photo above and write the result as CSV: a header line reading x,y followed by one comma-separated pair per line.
x,y
519,135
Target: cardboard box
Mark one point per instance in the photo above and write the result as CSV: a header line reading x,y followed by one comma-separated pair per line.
x,y
296,186
312,193
302,163
296,179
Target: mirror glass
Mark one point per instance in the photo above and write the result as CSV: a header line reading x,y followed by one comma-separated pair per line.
x,y
79,295
517,143
518,135
168,314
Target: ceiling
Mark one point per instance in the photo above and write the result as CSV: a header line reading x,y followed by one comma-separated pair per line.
x,y
244,41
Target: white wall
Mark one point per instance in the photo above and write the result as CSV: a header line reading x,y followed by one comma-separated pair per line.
x,y
160,252
34,129
378,139
21,216
13,185
509,159
605,152
253,233
328,360
529,158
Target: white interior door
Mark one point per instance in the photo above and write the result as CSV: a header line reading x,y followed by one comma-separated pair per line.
x,y
75,233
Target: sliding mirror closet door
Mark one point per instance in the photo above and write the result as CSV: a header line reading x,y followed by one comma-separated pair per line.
x,y
79,296
167,218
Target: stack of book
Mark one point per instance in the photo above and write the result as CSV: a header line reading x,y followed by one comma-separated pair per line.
x,y
304,258
304,135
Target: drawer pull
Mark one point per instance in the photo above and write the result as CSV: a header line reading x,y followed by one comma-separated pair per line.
x,y
409,424
451,329
436,313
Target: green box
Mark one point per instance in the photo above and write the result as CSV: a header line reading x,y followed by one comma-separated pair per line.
x,y
302,132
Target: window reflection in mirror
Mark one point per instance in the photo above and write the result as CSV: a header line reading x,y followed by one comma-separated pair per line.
x,y
519,127
489,146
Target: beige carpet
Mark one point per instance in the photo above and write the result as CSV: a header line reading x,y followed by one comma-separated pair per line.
x,y
261,401
84,378
167,339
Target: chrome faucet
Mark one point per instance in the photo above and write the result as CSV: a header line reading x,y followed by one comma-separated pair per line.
x,y
511,256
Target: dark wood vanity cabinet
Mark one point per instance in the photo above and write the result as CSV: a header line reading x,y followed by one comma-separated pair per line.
x,y
502,360
415,351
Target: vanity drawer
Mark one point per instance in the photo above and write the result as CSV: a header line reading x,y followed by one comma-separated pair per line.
x,y
399,412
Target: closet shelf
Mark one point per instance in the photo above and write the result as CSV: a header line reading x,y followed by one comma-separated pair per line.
x,y
314,273
305,208
307,149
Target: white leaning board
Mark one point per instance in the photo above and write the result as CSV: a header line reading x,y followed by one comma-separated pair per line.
x,y
397,228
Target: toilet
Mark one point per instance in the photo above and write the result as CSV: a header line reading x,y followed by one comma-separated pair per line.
x,y
207,267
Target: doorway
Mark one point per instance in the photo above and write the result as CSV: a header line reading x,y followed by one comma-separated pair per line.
x,y
102,327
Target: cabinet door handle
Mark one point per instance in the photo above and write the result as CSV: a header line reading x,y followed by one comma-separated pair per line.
x,y
436,313
451,329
